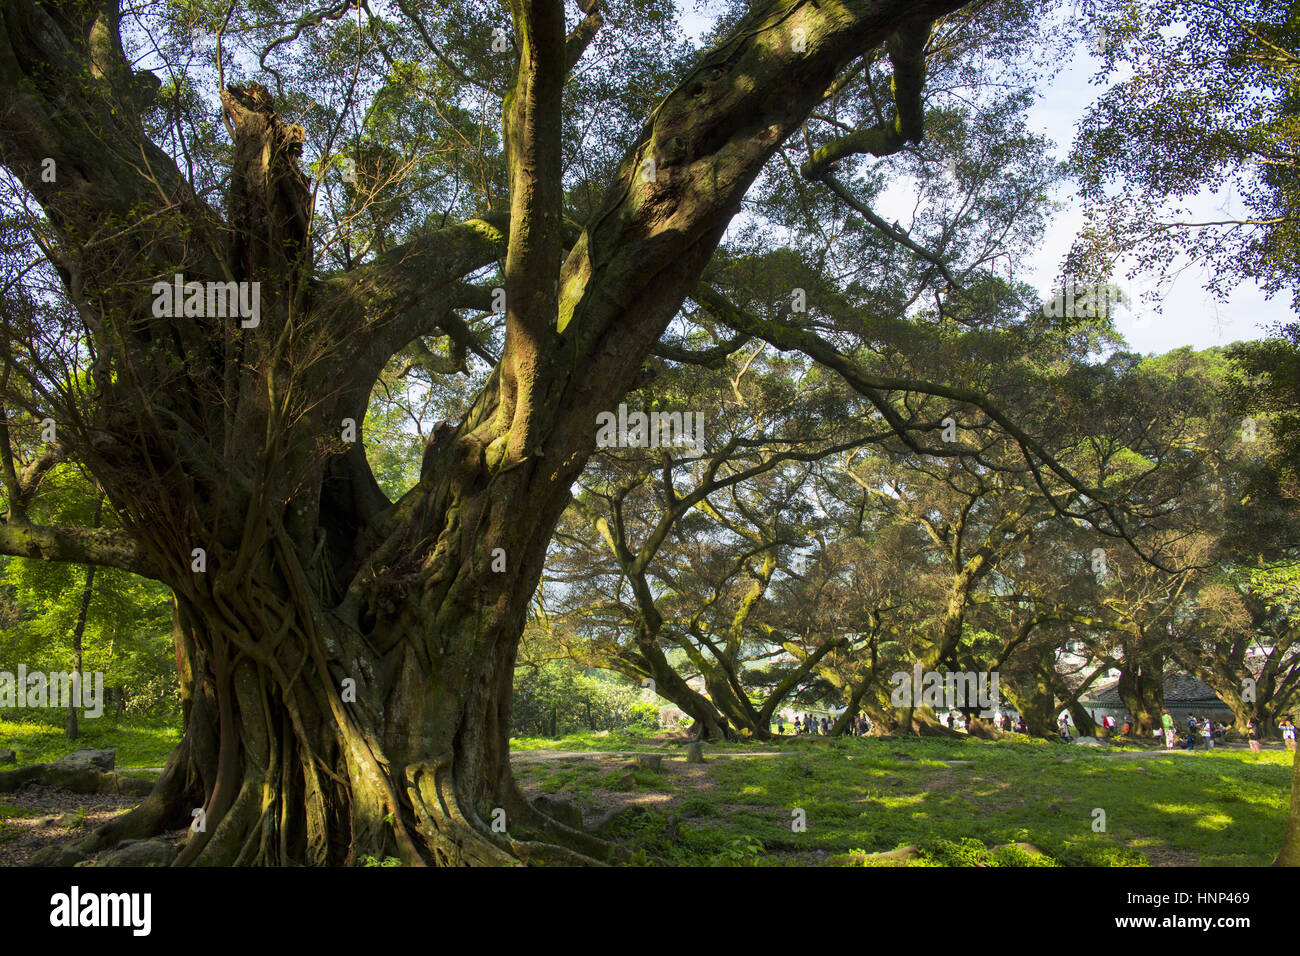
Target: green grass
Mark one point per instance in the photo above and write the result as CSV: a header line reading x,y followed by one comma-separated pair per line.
x,y
1222,808
139,743
587,740
1225,808
618,741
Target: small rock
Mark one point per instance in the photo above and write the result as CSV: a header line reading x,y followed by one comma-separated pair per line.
x,y
79,776
100,759
7,755
119,783
653,762
56,856
695,754
139,853
1088,742
69,820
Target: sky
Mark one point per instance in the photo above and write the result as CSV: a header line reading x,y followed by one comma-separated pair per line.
x,y
1190,316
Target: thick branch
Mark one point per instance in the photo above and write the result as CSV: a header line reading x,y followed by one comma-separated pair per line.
x,y
907,53
643,251
97,546
532,116
576,43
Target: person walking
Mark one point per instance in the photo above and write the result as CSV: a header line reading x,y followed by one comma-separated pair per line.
x,y
1167,725
1255,736
1288,733
1207,733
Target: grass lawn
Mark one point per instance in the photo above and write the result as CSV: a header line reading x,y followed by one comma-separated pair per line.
x,y
807,801
139,743
955,800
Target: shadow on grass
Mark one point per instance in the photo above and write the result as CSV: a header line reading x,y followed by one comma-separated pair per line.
x,y
957,799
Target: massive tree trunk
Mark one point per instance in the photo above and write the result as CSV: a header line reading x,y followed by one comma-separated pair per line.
x,y
319,734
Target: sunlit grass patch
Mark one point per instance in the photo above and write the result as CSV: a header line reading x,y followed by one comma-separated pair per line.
x,y
876,795
139,743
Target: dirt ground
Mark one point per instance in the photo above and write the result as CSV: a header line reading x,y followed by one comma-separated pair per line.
x,y
43,806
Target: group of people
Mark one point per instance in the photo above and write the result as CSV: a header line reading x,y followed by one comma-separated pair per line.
x,y
1204,728
1002,721
821,726
1110,724
1209,731
1019,726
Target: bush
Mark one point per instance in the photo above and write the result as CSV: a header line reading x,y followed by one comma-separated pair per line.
x,y
644,715
558,698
